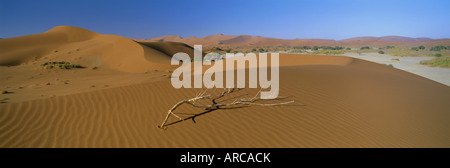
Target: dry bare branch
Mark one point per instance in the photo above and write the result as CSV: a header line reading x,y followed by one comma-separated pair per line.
x,y
208,95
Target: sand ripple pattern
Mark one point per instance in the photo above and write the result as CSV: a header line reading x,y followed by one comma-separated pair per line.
x,y
329,112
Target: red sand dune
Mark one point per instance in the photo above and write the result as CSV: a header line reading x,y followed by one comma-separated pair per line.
x,y
258,41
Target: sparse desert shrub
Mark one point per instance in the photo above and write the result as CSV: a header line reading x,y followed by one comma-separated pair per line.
x,y
338,48
76,66
438,55
365,48
438,48
380,52
330,48
400,52
435,53
303,48
440,62
349,49
390,47
395,59
61,65
329,52
424,62
418,48
422,47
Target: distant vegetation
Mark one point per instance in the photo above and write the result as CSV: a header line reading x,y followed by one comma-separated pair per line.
x,y
327,48
439,48
418,48
365,48
436,54
440,62
400,52
333,50
329,52
263,50
390,47
303,47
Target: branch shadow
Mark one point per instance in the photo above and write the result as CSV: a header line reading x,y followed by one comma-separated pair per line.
x,y
203,113
194,116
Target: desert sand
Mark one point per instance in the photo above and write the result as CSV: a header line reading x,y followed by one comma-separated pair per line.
x,y
124,93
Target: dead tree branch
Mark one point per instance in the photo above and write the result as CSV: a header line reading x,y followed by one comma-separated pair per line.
x,y
207,94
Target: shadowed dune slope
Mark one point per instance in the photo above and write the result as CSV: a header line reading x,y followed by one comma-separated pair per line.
x,y
170,48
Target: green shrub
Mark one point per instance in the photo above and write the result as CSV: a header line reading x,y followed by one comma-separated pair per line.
x,y
329,52
422,47
438,48
438,55
435,53
380,52
303,48
390,47
365,48
440,61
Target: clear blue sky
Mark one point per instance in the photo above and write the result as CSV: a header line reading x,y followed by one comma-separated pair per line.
x,y
288,19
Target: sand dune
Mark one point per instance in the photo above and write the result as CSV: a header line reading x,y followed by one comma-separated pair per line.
x,y
167,38
386,38
258,41
219,37
66,43
339,101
